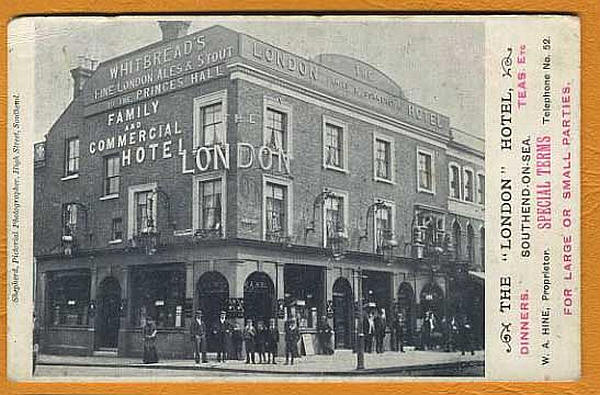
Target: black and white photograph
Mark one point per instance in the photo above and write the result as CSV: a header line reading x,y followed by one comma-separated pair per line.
x,y
259,198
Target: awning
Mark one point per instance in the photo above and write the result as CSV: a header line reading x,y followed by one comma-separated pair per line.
x,y
478,275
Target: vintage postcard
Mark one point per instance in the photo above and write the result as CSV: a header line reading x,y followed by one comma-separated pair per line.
x,y
260,198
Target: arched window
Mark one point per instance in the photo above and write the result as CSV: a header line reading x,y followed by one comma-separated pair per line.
x,y
470,244
457,236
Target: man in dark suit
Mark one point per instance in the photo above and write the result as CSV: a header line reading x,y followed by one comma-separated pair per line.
x,y
198,334
221,330
325,332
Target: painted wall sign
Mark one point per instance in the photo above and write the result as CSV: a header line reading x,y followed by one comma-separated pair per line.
x,y
160,68
340,85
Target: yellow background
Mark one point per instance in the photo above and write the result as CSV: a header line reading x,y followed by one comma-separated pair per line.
x,y
589,12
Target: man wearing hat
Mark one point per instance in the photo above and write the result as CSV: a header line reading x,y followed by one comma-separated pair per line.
x,y
198,334
221,330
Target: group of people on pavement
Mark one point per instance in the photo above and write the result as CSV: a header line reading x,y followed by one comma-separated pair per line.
x,y
262,341
450,333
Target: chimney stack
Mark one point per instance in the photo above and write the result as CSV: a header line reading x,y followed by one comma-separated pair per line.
x,y
82,73
173,29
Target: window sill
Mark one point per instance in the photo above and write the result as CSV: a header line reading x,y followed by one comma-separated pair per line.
x,y
427,191
335,168
384,180
116,241
110,197
71,177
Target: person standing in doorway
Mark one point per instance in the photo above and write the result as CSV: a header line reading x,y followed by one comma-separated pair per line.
x,y
369,330
249,341
325,333
380,327
149,332
198,334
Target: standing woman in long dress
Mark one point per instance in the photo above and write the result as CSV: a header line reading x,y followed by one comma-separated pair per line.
x,y
149,332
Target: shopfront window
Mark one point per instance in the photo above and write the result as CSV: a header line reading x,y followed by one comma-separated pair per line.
x,y
303,286
158,292
69,299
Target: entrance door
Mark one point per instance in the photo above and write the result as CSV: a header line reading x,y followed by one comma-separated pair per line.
x,y
342,313
258,297
213,294
108,321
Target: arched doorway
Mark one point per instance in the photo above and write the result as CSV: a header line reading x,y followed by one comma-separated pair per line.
x,y
342,313
432,299
108,319
406,306
259,297
212,291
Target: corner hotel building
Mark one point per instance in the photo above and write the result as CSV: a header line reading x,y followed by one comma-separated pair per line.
x,y
212,170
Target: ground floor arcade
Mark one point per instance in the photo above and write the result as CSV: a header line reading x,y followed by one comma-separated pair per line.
x,y
98,302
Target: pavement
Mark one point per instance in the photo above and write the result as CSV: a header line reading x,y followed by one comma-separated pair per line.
x,y
343,362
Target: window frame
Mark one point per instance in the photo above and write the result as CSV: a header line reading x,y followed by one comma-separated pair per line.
x,y
199,104
392,205
197,219
431,154
67,173
286,109
479,201
105,192
269,179
132,206
345,212
113,239
343,127
467,169
392,164
459,186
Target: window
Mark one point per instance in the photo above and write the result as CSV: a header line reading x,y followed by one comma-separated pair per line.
x,y
482,247
210,124
335,212
117,230
383,159
277,125
72,156
141,209
210,207
425,171
112,172
468,180
69,219
275,212
470,244
334,144
480,188
384,226
457,236
69,299
276,129
454,177
144,212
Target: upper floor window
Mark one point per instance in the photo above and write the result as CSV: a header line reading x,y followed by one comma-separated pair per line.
x,y
469,187
384,224
425,171
454,176
276,129
335,209
72,156
383,154
112,170
277,125
69,218
275,210
145,217
480,188
117,229
334,144
142,209
210,192
210,119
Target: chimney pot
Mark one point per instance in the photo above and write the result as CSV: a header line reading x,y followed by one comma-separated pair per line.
x,y
173,29
80,76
